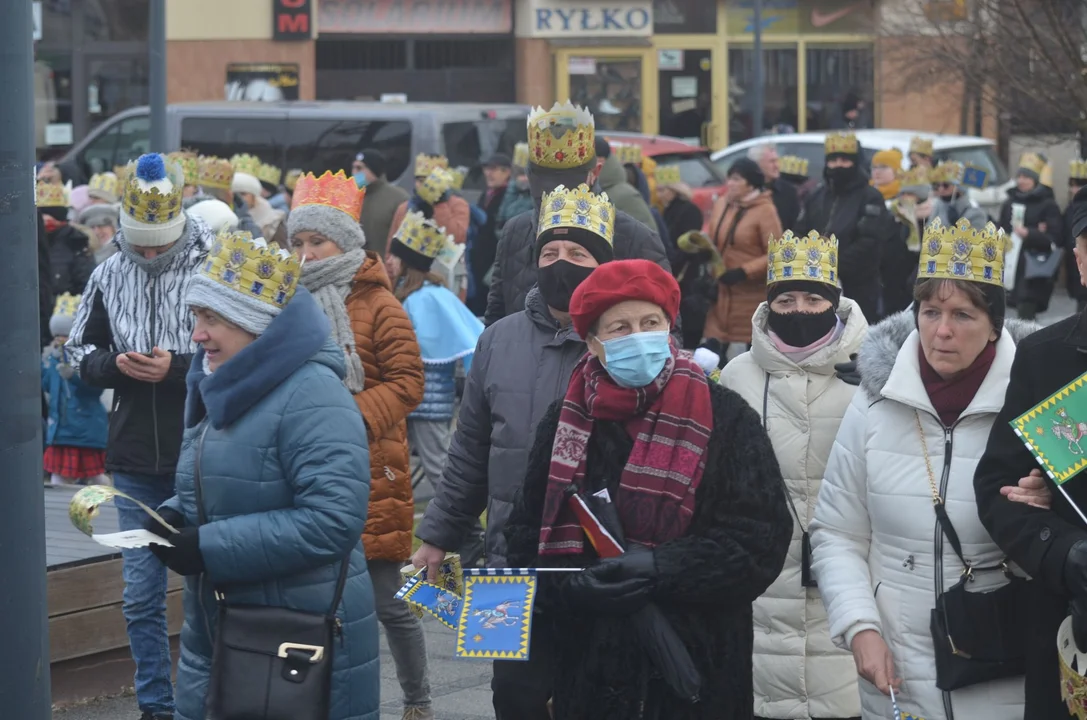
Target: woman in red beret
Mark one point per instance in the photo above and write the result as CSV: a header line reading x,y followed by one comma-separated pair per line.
x,y
683,475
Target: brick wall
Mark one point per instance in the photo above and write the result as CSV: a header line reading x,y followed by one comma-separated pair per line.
x,y
197,68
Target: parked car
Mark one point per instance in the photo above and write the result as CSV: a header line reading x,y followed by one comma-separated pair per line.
x,y
976,151
696,169
313,136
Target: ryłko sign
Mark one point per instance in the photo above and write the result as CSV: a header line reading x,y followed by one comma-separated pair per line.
x,y
584,18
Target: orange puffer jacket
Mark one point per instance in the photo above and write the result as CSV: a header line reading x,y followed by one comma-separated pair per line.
x,y
390,355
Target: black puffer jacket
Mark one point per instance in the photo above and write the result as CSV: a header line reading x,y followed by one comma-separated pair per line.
x,y
732,551
857,215
515,262
1041,207
786,201
1075,287
70,260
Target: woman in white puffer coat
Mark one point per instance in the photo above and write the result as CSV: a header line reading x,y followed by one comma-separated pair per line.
x,y
799,334
932,382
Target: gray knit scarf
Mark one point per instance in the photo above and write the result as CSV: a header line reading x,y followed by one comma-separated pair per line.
x,y
156,265
329,281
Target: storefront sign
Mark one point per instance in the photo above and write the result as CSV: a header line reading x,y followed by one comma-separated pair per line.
x,y
291,19
809,17
415,17
584,18
266,82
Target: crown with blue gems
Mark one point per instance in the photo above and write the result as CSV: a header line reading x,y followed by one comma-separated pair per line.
x,y
962,252
66,305
578,208
105,182
252,268
811,257
422,235
434,185
153,205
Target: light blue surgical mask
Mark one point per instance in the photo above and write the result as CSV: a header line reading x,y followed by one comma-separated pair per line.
x,y
360,179
635,360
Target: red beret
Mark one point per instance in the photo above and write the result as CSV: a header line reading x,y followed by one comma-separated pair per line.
x,y
614,282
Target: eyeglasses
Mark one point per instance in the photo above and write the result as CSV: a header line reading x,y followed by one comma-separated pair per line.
x,y
944,185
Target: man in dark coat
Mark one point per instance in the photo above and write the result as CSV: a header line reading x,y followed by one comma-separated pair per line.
x,y
497,171
847,207
1077,180
783,192
1039,231
382,198
70,257
1049,545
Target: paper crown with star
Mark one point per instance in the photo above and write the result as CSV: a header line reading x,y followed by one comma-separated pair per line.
x,y
921,145
419,240
190,165
104,183
152,194
337,191
258,271
520,155
47,194
812,257
844,143
793,165
578,209
425,164
434,185
214,172
1077,169
667,175
562,137
962,252
1032,162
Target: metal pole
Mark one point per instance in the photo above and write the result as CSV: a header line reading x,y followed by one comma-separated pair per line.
x,y
757,95
24,663
156,44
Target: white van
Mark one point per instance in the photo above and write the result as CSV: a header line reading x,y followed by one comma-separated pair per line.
x,y
968,150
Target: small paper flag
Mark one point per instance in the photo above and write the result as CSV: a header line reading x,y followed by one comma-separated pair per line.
x,y
496,617
974,177
451,578
441,603
1055,431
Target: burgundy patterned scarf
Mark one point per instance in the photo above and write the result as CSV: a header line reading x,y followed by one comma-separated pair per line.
x,y
670,421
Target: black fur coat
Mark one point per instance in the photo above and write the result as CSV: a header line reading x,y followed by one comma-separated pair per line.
x,y
732,551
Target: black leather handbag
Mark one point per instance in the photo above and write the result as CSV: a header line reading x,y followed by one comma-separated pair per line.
x,y
270,663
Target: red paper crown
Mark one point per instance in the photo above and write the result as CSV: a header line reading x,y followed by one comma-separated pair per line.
x,y
335,191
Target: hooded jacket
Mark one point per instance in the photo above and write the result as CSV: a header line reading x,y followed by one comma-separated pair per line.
x,y
386,344
521,365
879,557
282,458
378,210
950,211
77,417
124,309
623,195
798,671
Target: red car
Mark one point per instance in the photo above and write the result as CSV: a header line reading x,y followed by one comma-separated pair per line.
x,y
695,167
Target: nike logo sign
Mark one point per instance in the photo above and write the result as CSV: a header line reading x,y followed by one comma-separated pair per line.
x,y
822,19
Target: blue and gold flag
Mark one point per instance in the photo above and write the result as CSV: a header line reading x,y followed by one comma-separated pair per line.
x,y
496,615
440,602
974,177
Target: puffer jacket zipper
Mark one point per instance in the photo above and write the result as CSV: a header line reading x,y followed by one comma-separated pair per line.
x,y
938,536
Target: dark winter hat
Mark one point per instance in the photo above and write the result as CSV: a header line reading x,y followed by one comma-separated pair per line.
x,y
1079,213
823,290
374,160
501,160
750,171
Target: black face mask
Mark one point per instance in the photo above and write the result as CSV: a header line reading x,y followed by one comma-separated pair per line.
x,y
558,281
839,177
801,329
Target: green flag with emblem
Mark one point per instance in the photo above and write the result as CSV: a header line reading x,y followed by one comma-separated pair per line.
x,y
1055,431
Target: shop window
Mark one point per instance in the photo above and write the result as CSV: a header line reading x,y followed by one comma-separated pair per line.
x,y
779,68
610,88
443,54
52,98
115,84
235,133
319,145
369,54
116,20
840,87
469,144
697,17
98,155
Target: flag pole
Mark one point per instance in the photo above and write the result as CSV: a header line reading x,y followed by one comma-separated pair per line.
x,y
1073,504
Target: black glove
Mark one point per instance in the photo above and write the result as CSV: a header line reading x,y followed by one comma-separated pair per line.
x,y
176,520
184,557
611,588
1075,569
847,372
1078,608
733,276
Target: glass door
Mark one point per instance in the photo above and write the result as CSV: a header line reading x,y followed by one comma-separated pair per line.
x,y
612,83
114,84
685,81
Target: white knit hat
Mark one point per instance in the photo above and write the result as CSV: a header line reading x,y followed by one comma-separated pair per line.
x,y
216,213
151,205
246,183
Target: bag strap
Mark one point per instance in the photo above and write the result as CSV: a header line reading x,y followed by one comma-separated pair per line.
x,y
766,427
198,481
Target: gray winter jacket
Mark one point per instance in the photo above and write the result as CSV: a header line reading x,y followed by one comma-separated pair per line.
x,y
522,364
515,262
963,208
623,195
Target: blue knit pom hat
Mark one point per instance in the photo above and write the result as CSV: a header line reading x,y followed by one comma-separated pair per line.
x,y
151,186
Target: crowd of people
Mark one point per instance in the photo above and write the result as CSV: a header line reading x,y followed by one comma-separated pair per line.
x,y
791,415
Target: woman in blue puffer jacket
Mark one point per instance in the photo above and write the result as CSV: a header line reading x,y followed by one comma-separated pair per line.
x,y
284,472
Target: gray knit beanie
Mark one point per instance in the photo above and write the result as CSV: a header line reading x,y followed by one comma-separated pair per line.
x,y
336,225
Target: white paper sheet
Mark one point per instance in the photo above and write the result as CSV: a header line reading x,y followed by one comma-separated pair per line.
x,y
128,539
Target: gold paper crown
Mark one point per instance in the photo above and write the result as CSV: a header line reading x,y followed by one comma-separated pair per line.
x,y
962,252
151,206
561,137
425,164
104,182
457,176
248,164
1073,683
47,194
916,175
262,272
667,175
793,165
421,234
520,155
627,154
214,172
949,171
66,305
337,191
291,179
578,208
1077,169
812,257
841,142
189,163
921,146
269,174
433,186
1032,162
